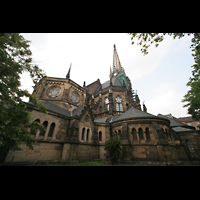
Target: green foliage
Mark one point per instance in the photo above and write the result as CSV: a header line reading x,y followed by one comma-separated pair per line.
x,y
15,121
146,39
193,95
113,147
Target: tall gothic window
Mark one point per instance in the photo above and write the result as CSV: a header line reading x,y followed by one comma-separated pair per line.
x,y
140,132
100,136
106,104
51,130
134,134
83,134
119,106
147,134
45,124
33,132
88,132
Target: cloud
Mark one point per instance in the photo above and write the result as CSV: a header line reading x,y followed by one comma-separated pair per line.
x,y
167,100
91,56
144,65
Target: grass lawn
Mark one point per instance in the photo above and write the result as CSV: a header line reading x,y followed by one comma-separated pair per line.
x,y
94,163
90,163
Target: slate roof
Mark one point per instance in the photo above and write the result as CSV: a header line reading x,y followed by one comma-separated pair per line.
x,y
181,129
77,111
103,120
58,110
175,123
134,113
115,82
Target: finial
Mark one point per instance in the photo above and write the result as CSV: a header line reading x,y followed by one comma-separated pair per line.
x,y
68,74
114,46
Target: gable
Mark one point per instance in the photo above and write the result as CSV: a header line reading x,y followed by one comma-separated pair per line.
x,y
93,87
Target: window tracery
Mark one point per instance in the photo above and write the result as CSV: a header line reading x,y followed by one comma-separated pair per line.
x,y
119,105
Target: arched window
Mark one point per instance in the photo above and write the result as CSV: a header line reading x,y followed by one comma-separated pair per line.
x,y
166,134
37,120
33,131
119,106
88,132
45,124
134,134
51,129
115,134
100,136
100,109
190,146
147,134
119,133
140,132
106,104
83,134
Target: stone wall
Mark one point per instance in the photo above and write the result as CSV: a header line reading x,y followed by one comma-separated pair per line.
x,y
43,152
79,152
60,130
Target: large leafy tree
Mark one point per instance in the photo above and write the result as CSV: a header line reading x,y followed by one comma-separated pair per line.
x,y
192,98
15,121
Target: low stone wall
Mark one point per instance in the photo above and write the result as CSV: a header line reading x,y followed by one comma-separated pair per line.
x,y
42,152
45,152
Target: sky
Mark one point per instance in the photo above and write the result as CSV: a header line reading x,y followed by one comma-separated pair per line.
x,y
160,77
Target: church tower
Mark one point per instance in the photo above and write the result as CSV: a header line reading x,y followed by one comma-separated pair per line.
x,y
117,67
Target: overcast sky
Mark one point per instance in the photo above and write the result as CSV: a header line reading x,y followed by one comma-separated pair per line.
x,y
160,77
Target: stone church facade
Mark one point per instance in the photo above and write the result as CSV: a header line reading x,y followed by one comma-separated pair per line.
x,y
80,119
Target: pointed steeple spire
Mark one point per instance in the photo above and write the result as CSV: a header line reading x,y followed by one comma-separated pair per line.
x,y
111,74
117,68
68,74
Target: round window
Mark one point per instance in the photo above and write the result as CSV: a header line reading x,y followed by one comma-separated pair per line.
x,y
74,97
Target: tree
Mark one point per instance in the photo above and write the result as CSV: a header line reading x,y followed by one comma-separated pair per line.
x,y
193,95
113,147
15,121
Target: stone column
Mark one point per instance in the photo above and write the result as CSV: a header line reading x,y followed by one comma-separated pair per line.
x,y
126,145
47,131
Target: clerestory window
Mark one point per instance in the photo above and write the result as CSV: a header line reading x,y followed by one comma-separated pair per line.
x,y
119,105
106,104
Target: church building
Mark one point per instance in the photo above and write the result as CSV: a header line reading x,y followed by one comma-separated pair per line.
x,y
80,119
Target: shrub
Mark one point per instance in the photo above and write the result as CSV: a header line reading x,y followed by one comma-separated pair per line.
x,y
113,147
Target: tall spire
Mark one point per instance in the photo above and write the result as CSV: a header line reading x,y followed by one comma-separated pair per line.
x,y
68,74
117,68
111,74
